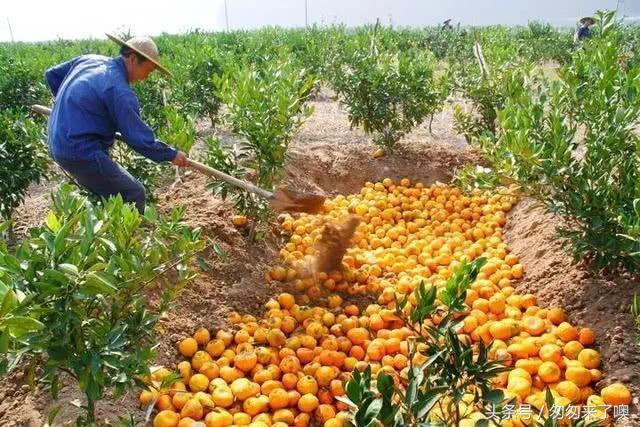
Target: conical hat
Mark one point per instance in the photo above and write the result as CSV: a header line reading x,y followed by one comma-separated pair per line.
x,y
145,47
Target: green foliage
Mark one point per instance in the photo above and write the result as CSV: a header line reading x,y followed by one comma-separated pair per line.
x,y
266,106
23,158
389,93
88,274
472,177
180,131
451,371
593,182
232,160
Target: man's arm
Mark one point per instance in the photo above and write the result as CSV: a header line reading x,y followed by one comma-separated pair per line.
x,y
125,111
55,75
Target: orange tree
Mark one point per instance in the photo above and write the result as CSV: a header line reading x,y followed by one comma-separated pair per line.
x,y
592,182
75,296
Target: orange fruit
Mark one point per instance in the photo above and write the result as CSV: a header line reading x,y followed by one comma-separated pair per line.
x,y
245,361
566,332
188,347
307,385
569,390
589,358
549,372
186,422
308,403
324,413
616,394
556,315
199,359
192,409
218,418
572,349
283,418
166,418
243,389
586,336
578,375
164,402
202,336
147,396
198,382
550,353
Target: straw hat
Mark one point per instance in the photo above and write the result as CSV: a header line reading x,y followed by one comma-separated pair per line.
x,y
587,18
145,47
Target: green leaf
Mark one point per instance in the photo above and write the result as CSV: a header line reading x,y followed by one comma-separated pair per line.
x,y
69,269
9,302
4,342
494,396
52,222
99,282
20,325
367,414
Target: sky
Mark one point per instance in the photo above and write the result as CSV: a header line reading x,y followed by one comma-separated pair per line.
x,y
31,20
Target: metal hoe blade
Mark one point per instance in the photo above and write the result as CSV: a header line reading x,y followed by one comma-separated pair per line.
x,y
294,201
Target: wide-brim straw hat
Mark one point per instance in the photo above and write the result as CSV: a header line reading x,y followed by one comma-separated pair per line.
x,y
145,47
587,18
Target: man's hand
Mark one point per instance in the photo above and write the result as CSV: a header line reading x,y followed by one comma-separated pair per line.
x,y
180,160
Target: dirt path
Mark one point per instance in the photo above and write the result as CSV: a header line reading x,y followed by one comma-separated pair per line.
x,y
328,157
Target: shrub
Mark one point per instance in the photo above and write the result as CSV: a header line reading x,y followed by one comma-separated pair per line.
x,y
591,182
78,296
389,93
266,106
438,389
23,158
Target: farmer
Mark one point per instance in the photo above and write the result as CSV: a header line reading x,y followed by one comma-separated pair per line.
x,y
93,100
583,30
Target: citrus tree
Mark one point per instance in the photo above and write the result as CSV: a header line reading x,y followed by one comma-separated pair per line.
x,y
23,158
591,181
76,295
388,93
265,107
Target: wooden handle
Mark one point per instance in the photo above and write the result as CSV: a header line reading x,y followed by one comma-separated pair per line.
x,y
207,170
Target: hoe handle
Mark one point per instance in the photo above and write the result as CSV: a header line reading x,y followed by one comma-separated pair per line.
x,y
209,171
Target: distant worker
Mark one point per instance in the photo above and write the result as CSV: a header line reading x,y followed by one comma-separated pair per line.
x,y
583,30
446,25
93,101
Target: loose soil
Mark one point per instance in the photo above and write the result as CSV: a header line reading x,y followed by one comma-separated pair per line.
x,y
329,158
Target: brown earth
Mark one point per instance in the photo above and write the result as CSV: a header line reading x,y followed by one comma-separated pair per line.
x,y
329,158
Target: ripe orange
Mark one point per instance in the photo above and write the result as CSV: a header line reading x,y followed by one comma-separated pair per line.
x,y
589,358
308,403
566,332
202,336
188,347
616,394
578,375
549,372
192,409
586,336
166,418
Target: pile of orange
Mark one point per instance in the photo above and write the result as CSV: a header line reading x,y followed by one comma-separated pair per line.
x,y
289,367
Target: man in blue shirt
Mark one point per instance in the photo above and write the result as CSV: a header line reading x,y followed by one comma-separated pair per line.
x,y
583,31
93,100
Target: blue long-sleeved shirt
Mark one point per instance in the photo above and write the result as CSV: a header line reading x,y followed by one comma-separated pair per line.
x,y
93,100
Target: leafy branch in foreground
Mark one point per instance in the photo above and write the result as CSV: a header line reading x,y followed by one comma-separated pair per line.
x,y
83,294
448,380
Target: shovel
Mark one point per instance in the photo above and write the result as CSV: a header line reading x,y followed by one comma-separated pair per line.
x,y
280,199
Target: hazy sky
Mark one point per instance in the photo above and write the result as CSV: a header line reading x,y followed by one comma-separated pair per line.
x,y
45,20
